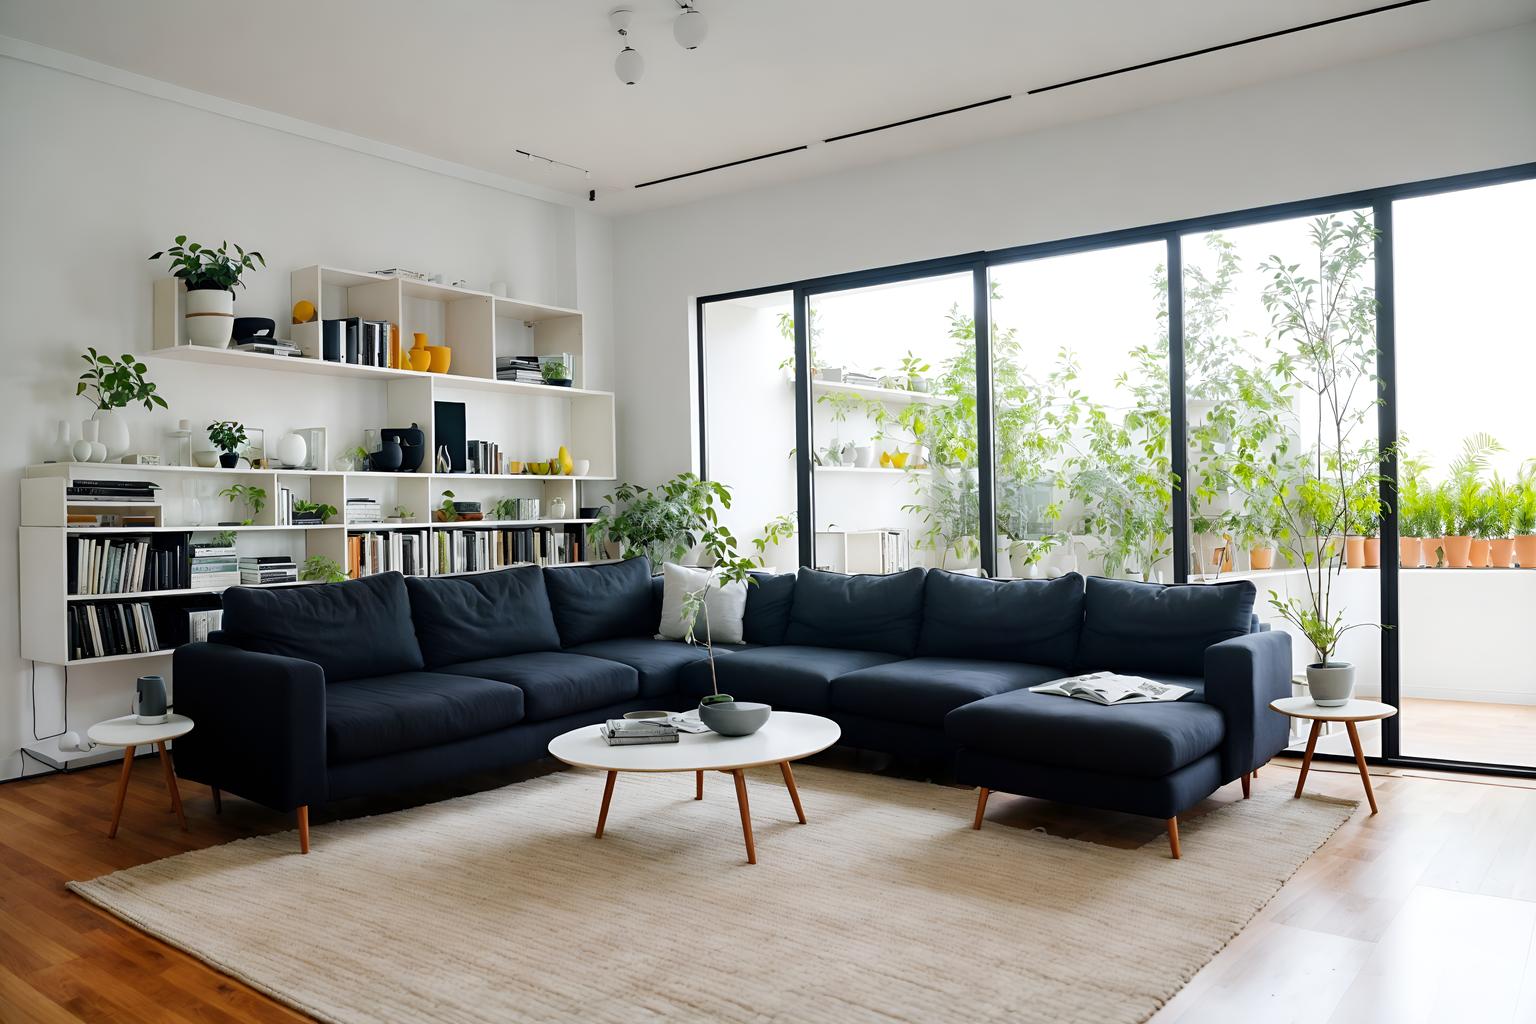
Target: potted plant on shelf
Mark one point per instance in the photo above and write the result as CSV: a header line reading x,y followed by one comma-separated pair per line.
x,y
665,522
321,569
555,372
112,384
311,513
253,497
227,436
401,514
446,511
1415,510
1362,546
210,276
1503,498
1524,523
915,371
1462,500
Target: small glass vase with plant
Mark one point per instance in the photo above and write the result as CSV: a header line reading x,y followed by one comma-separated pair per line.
x,y
227,436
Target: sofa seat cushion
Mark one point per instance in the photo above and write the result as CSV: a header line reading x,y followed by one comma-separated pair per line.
x,y
923,690
353,630
602,602
861,613
488,615
556,683
1149,627
788,677
1033,621
658,662
1141,740
409,710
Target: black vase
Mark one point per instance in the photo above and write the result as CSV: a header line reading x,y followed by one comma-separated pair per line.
x,y
387,458
229,460
413,446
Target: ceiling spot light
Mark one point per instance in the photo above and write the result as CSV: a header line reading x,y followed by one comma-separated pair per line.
x,y
628,65
691,26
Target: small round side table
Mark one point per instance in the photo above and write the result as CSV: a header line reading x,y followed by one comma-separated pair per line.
x,y
127,733
1349,714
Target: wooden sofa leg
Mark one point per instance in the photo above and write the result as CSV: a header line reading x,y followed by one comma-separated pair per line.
x,y
1247,785
1173,838
981,806
304,829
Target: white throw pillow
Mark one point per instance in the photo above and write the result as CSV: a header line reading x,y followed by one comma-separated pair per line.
x,y
726,604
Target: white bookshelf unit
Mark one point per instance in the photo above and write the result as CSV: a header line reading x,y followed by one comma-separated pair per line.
x,y
530,422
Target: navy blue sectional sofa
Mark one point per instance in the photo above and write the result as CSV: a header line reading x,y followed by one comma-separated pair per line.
x,y
314,694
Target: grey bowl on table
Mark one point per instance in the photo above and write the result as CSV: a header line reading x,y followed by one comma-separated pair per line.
x,y
735,718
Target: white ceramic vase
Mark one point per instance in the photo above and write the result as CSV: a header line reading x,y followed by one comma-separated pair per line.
x,y
557,508
90,432
1331,685
112,431
210,317
291,450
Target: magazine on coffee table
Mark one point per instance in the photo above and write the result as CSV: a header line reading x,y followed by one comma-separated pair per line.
x,y
1108,688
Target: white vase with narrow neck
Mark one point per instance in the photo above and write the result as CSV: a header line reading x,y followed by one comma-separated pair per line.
x,y
113,431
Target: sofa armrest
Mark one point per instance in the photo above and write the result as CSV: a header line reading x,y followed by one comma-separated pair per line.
x,y
1242,676
258,724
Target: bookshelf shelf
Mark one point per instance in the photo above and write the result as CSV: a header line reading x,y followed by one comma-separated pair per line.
x,y
108,659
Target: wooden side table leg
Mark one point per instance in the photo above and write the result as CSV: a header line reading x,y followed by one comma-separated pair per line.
x,y
122,791
1306,761
602,816
794,794
1365,776
170,783
746,814
698,793
981,806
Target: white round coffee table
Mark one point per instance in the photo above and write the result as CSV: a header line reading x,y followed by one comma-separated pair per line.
x,y
788,736
1350,713
127,733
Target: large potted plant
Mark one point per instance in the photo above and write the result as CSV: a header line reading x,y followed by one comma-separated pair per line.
x,y
1416,515
112,384
210,276
1503,498
1524,523
664,523
1462,502
1328,323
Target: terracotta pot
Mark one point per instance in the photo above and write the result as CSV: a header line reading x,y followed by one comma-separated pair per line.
x,y
1261,558
1434,551
1354,552
1410,552
1477,553
1372,552
1501,552
1458,551
1525,551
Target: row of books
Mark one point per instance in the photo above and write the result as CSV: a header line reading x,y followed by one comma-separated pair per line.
x,y
213,566
352,339
203,621
76,519
284,508
109,628
481,550
525,508
127,565
109,492
484,457
263,570
403,551
363,510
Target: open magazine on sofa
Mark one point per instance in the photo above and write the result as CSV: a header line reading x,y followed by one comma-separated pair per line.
x,y
1109,688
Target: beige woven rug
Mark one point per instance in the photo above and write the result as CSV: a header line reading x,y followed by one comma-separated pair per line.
x,y
502,907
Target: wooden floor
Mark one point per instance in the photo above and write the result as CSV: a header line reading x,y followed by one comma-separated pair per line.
x,y
1452,730
1426,912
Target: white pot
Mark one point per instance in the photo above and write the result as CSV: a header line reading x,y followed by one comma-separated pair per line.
x,y
113,431
291,450
863,456
210,317
1331,685
80,451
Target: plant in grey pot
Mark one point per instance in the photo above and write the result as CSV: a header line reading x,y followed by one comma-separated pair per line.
x,y
720,711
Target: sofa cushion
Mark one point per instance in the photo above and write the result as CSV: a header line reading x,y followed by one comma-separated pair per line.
x,y
351,630
921,691
462,618
1135,627
1035,621
719,618
409,710
657,661
768,604
601,602
555,683
788,677
1143,740
861,613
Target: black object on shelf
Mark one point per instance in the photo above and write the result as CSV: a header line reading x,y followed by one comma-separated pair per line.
x,y
250,327
389,456
413,446
332,333
448,423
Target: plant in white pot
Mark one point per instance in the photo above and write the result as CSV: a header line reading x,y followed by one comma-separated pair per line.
x,y
1325,327
210,275
112,384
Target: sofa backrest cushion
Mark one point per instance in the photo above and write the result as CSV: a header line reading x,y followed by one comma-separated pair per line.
x,y
861,613
1035,621
1149,627
768,605
490,615
351,630
602,602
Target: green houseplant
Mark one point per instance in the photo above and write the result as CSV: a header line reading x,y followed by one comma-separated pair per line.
x,y
321,569
210,276
555,372
1524,521
227,436
254,498
310,512
664,522
110,385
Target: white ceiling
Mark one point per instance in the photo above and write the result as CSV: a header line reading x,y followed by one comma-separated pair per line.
x,y
472,81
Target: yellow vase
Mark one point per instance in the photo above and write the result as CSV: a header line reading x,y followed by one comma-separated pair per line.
x,y
419,356
442,355
567,466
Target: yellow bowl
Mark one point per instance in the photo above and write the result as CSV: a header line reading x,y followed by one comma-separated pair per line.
x,y
538,468
442,355
514,468
899,459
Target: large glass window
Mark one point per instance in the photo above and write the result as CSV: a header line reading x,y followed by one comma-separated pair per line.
x,y
1080,407
894,426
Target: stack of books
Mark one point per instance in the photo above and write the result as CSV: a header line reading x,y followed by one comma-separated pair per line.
x,y
363,510
104,630
213,566
259,570
109,492
485,457
523,369
862,379
625,732
267,346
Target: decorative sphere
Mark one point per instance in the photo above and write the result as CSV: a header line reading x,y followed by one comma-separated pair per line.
x,y
291,450
629,65
690,28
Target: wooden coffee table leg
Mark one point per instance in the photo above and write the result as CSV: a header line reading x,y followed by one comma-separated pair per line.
x,y
602,816
1306,761
122,791
170,783
698,793
746,814
1365,776
794,794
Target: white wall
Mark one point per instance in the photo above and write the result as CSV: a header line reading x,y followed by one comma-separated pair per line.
x,y
93,178
1460,106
